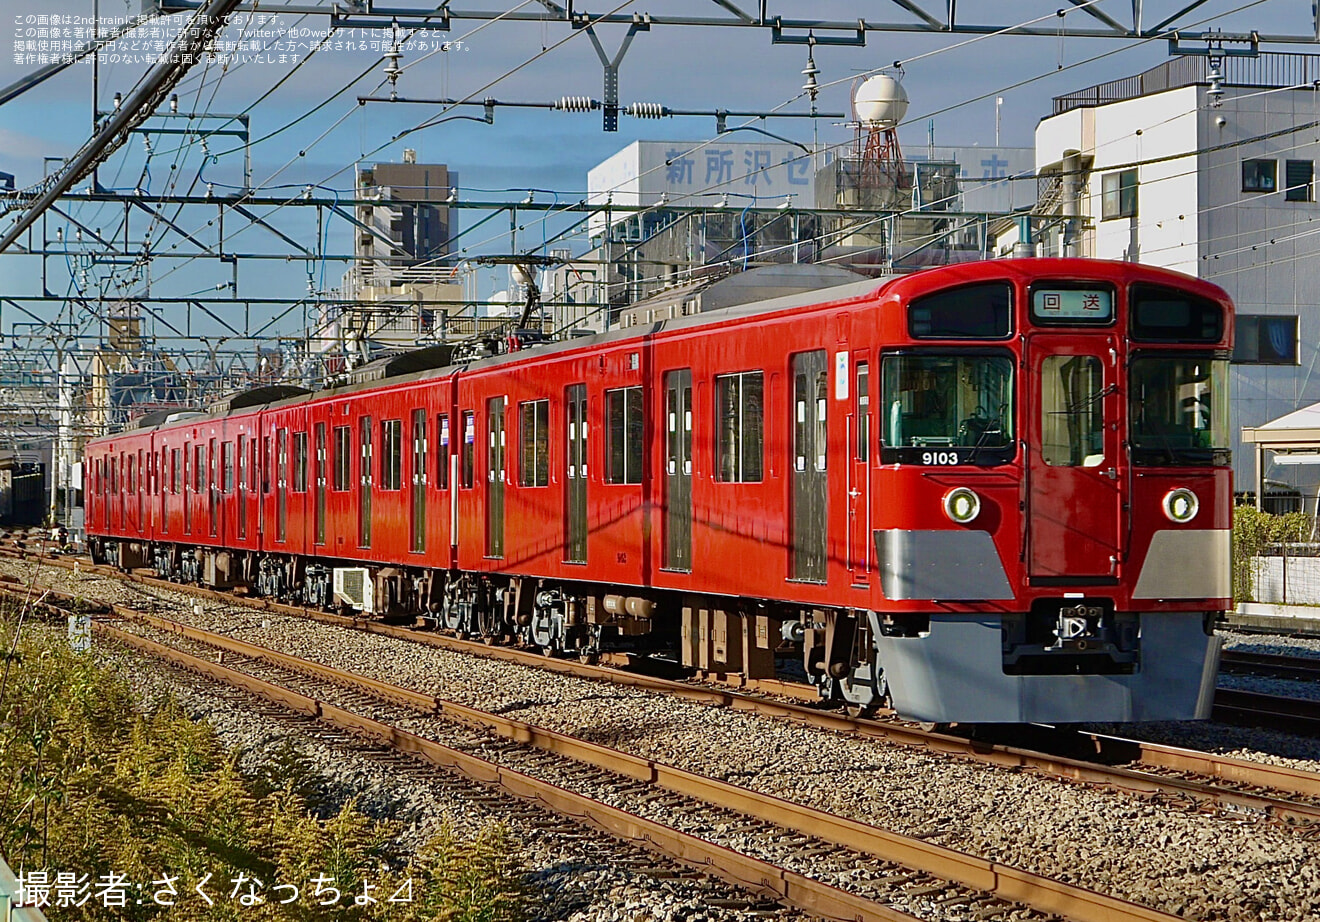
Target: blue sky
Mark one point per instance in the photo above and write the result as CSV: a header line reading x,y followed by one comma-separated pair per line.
x,y
679,67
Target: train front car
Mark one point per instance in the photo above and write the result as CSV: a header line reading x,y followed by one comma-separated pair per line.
x,y
1051,514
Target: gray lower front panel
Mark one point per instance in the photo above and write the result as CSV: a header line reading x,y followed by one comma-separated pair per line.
x,y
954,674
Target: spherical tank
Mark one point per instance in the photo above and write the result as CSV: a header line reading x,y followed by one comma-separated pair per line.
x,y
880,102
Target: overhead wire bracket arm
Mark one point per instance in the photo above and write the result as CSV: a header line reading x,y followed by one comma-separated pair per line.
x,y
611,66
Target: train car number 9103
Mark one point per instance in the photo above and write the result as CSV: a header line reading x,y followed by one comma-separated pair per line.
x,y
939,457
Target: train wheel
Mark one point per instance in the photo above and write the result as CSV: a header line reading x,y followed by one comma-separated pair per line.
x,y
931,726
862,711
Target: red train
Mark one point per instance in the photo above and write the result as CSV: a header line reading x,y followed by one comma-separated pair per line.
x,y
995,492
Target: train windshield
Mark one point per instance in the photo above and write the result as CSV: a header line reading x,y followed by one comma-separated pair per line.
x,y
947,409
1178,406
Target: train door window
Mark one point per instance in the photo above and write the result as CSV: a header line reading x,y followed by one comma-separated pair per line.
x,y
534,440
300,462
199,467
862,394
281,484
343,458
391,454
469,448
741,415
623,435
267,465
252,465
364,483
418,477
809,415
176,472
318,477
227,467
1072,411
442,453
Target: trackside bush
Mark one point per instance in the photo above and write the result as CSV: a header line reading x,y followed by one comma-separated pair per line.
x,y
91,784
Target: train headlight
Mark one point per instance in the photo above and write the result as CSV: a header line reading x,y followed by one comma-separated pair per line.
x,y
962,505
1181,505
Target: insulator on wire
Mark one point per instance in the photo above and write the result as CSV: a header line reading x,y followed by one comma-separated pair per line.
x,y
647,110
576,104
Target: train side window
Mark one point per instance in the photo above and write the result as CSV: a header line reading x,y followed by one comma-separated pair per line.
x,y
343,458
469,448
442,455
534,440
391,454
623,435
300,462
227,467
740,409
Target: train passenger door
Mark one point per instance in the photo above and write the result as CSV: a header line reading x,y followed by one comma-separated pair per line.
x,y
188,462
241,490
281,484
495,456
417,510
318,477
1074,493
575,483
809,498
364,483
859,475
678,469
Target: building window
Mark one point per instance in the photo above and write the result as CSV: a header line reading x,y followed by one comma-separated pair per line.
x,y
1297,177
1259,175
343,457
741,414
300,462
534,440
1118,195
1265,340
623,417
442,456
391,454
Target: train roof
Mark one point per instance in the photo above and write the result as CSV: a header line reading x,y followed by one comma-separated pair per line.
x,y
436,361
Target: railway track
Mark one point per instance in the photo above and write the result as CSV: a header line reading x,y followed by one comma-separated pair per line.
x,y
1201,780
761,844
1297,668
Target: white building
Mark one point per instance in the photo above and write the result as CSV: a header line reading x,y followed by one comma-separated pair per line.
x,y
1215,181
697,173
